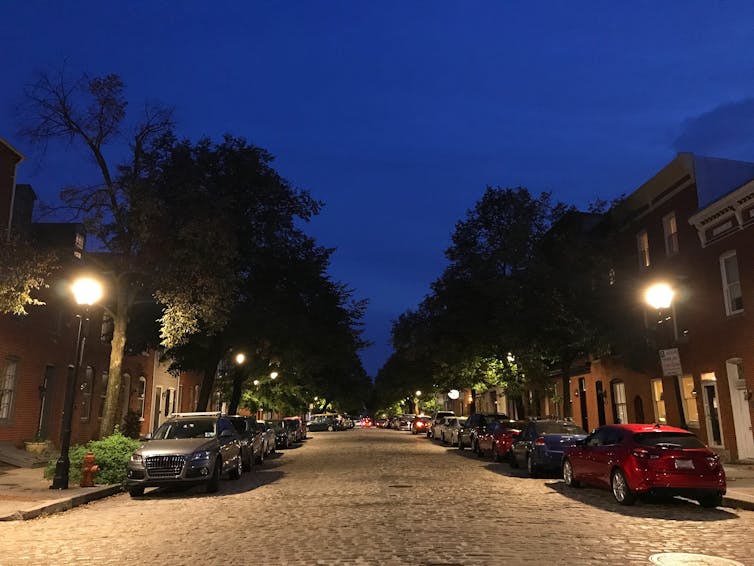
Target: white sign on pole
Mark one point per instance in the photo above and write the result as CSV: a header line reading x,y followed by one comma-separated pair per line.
x,y
670,360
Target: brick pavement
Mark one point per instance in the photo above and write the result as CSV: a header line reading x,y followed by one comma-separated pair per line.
x,y
378,497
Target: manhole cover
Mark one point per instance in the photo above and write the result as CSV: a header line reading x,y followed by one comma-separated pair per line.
x,y
686,559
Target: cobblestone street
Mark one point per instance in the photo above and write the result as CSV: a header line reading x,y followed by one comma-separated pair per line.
x,y
378,497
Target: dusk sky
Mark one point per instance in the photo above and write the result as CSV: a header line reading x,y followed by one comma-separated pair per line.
x,y
398,114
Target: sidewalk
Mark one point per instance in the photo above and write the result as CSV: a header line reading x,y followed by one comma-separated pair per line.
x,y
25,494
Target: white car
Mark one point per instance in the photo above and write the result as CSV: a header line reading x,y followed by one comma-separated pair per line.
x,y
447,429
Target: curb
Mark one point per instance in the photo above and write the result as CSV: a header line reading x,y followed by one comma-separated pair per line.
x,y
63,504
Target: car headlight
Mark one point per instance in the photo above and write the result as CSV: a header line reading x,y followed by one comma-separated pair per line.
x,y
137,459
201,455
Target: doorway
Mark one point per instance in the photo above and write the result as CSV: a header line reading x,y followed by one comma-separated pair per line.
x,y
582,403
156,408
600,404
740,406
711,409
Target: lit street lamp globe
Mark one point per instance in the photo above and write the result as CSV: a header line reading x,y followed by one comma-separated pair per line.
x,y
86,291
659,296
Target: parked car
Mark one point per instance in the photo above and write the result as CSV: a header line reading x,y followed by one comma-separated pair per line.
x,y
420,424
320,423
634,459
450,429
404,421
498,437
300,426
187,449
380,423
252,440
285,435
476,424
436,420
268,438
540,445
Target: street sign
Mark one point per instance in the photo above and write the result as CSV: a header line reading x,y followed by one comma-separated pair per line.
x,y
670,360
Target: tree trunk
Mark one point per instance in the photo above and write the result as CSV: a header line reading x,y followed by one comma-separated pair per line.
x,y
235,397
210,371
117,347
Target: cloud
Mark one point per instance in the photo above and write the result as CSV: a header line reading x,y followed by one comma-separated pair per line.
x,y
724,131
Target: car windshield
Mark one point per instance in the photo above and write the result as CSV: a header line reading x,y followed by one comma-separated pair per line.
x,y
559,428
668,440
202,428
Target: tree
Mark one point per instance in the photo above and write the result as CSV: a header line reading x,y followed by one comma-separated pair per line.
x,y
91,112
25,269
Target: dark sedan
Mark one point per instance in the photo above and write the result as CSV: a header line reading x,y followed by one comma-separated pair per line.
x,y
540,445
252,440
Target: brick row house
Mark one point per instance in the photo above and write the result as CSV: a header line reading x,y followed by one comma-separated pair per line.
x,y
692,226
37,351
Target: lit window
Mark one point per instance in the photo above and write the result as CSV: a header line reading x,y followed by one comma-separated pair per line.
x,y
659,401
642,244
689,400
670,227
734,302
7,388
620,407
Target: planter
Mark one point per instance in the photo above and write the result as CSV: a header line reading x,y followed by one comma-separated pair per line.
x,y
37,447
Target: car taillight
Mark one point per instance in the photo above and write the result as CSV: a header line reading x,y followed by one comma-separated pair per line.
x,y
644,454
713,461
540,441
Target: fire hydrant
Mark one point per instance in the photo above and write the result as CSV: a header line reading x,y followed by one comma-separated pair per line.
x,y
89,468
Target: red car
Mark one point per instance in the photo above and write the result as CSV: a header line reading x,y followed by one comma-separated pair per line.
x,y
498,437
636,459
420,425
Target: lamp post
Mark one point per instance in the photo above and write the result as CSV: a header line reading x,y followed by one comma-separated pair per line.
x,y
660,297
240,359
86,292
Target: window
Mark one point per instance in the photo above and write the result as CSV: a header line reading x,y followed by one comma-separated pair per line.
x,y
688,394
611,276
659,401
7,388
86,393
734,302
620,407
642,244
103,391
141,391
670,228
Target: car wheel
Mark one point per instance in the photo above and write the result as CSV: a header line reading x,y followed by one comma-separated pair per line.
x,y
710,501
496,454
460,443
260,458
213,483
568,474
621,491
247,462
531,466
329,428
136,491
514,462
236,472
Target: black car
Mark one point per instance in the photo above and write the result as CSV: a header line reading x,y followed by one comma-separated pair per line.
x,y
475,426
252,440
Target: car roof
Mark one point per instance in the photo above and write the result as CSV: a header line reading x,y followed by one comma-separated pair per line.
x,y
641,427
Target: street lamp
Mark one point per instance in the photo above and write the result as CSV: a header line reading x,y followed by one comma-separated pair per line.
x,y
86,292
240,359
274,375
660,296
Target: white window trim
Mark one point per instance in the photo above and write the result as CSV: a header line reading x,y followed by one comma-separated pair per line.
x,y
644,261
726,285
666,232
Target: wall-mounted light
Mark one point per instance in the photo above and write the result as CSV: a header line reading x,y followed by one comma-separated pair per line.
x,y
575,392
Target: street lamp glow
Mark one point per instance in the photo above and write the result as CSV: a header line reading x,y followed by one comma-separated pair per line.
x,y
86,290
418,393
256,382
274,375
240,358
659,296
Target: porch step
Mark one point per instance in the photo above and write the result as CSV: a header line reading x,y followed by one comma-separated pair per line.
x,y
9,454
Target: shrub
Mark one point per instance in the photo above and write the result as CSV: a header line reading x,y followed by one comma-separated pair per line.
x,y
111,453
131,425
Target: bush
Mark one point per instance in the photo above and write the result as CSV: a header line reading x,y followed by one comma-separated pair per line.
x,y
111,453
131,425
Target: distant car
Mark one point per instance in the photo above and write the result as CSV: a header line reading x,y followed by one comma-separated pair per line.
x,y
634,459
540,445
404,421
321,423
436,417
285,435
449,429
268,437
380,423
365,422
300,427
420,424
187,449
252,440
476,425
498,437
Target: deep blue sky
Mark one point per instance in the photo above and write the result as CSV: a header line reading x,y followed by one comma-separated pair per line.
x,y
398,114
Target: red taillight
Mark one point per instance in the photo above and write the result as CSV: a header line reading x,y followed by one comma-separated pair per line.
x,y
644,454
540,441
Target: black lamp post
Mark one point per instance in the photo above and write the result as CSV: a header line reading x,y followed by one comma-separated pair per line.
x,y
86,292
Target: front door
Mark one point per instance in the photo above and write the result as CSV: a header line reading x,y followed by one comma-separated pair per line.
x,y
600,404
740,407
156,408
712,413
582,400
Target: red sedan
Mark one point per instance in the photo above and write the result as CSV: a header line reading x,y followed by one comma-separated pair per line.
x,y
635,459
497,439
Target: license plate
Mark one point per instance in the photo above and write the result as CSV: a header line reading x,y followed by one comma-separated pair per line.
x,y
684,465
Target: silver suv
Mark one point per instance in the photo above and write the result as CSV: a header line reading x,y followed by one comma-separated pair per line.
x,y
187,449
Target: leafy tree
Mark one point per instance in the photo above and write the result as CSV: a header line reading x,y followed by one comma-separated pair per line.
x,y
25,269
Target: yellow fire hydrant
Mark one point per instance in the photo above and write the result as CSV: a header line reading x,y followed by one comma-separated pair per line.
x,y
88,470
